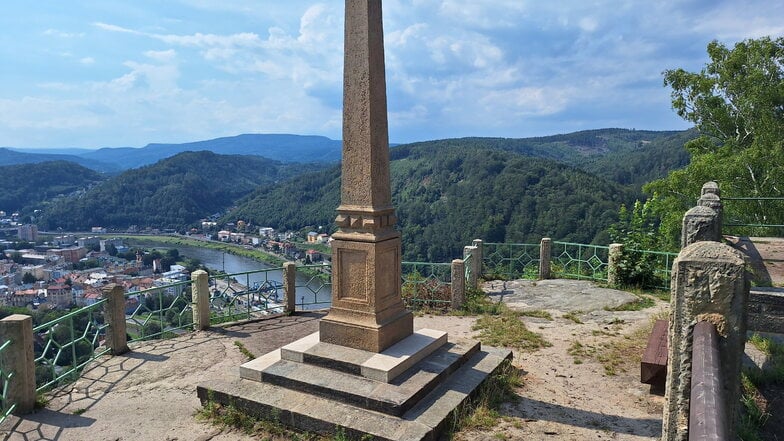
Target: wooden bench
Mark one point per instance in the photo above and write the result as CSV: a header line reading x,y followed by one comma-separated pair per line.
x,y
653,366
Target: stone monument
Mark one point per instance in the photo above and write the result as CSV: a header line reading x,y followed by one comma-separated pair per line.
x,y
366,370
367,309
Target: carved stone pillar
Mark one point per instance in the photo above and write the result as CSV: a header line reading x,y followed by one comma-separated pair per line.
x,y
367,309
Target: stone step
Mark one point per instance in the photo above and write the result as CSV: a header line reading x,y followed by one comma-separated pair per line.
x,y
320,415
393,398
384,366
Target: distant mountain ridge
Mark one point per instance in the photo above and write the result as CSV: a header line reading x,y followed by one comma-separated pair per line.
x,y
278,147
597,151
16,157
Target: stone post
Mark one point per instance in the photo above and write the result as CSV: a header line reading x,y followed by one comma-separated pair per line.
x,y
710,187
290,286
19,359
480,255
470,256
114,311
700,224
545,257
708,284
367,310
200,297
712,201
458,284
614,256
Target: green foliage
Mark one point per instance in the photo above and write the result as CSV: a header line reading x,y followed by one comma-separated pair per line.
x,y
172,193
477,302
508,330
28,278
447,195
27,185
247,353
736,102
638,230
641,303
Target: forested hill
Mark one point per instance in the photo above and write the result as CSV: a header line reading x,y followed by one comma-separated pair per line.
x,y
172,193
629,157
27,185
449,195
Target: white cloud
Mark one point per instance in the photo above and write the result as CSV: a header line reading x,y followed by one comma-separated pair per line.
x,y
114,28
61,34
162,56
87,61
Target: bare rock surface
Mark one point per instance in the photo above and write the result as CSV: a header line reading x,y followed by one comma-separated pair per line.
x,y
556,294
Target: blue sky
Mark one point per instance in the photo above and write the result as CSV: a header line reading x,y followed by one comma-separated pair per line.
x,y
97,73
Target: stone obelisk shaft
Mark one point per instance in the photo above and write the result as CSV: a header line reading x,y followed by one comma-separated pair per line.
x,y
367,310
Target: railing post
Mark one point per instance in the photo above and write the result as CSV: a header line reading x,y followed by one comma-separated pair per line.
x,y
469,255
114,310
290,286
614,256
708,284
700,224
545,255
20,360
200,296
458,284
479,253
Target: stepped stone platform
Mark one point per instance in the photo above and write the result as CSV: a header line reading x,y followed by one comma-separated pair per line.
x,y
407,392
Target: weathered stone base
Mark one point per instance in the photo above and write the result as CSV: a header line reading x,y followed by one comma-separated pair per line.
x,y
305,387
765,311
368,338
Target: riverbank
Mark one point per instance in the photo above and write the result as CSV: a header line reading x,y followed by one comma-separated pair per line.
x,y
230,248
238,250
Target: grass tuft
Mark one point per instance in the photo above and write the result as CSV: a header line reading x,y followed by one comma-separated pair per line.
x,y
537,313
641,303
244,350
573,316
509,331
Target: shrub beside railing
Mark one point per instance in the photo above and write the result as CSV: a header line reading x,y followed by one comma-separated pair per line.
x,y
507,261
426,285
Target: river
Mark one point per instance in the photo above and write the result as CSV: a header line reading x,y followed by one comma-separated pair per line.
x,y
311,292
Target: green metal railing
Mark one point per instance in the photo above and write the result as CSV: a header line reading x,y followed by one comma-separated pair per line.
x,y
764,221
311,291
247,295
660,264
6,376
508,261
426,285
65,345
579,261
159,312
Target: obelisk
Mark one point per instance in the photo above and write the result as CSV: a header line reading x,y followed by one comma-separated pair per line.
x,y
367,310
